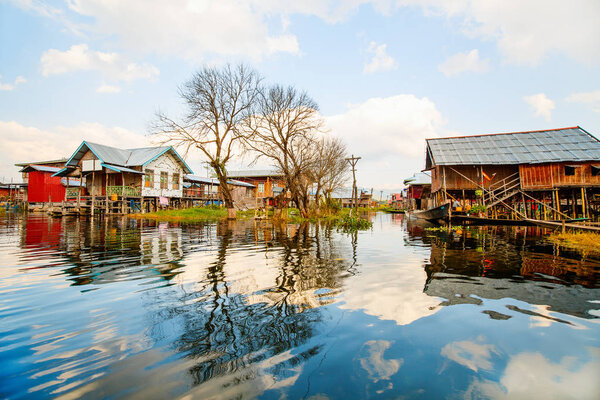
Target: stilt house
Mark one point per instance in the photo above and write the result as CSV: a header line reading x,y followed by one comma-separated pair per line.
x,y
198,190
418,192
548,174
127,180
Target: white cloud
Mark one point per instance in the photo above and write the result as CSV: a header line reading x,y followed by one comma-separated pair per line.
x,y
104,88
392,292
542,105
464,62
80,58
472,355
191,30
526,32
375,364
389,133
19,143
12,86
589,98
531,375
381,61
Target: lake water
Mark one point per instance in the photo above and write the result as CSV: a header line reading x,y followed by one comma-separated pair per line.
x,y
121,308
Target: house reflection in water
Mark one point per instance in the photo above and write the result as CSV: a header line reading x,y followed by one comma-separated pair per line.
x,y
509,262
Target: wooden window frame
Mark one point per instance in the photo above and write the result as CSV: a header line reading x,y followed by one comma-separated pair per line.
x,y
175,182
164,180
149,178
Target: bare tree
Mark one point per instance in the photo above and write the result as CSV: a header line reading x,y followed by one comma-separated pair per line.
x,y
330,169
217,100
338,170
283,130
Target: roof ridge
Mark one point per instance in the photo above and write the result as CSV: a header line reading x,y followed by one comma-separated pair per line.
x,y
507,133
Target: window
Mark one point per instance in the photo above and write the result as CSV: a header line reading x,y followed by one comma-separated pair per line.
x,y
175,181
569,170
261,187
164,180
595,170
149,178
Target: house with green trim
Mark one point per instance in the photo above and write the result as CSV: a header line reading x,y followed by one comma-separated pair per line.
x,y
126,180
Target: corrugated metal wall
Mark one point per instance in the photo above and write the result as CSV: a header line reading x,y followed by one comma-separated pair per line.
x,y
45,188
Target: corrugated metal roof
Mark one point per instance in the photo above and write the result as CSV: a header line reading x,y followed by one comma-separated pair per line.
x,y
557,145
200,179
240,183
419,178
214,181
59,161
263,173
121,169
41,168
123,157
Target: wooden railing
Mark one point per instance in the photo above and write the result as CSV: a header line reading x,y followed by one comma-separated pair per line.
x,y
72,192
127,191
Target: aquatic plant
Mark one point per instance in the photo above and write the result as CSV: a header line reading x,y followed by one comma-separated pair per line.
x,y
349,223
582,241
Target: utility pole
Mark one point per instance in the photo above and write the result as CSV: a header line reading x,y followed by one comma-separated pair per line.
x,y
353,160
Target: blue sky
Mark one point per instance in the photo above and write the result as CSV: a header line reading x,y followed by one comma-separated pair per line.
x,y
387,74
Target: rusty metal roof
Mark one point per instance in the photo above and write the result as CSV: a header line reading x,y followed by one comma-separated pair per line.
x,y
535,147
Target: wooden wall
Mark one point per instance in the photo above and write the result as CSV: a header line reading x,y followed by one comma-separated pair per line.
x,y
455,181
547,176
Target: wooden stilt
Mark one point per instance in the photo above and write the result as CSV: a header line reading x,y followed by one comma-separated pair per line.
x,y
93,191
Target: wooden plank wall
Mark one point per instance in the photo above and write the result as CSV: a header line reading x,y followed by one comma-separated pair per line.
x,y
547,176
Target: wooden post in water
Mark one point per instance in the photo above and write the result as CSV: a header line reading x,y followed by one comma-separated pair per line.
x,y
93,191
122,193
107,209
583,202
79,192
353,160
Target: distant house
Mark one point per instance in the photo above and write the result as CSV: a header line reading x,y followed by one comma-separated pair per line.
x,y
43,187
25,172
540,174
122,180
202,190
344,197
268,183
418,191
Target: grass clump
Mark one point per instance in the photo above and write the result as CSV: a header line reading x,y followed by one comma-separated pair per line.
x,y
350,223
583,241
207,213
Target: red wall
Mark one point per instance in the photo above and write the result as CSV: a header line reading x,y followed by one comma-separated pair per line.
x,y
44,188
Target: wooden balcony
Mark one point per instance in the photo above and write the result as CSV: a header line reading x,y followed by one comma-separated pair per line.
x,y
127,191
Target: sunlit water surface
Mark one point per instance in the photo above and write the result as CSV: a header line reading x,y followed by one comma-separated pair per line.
x,y
121,308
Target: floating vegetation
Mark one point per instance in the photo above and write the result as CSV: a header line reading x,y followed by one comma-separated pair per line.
x,y
349,223
454,228
582,241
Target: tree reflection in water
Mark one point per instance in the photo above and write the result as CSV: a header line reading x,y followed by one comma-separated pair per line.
x,y
228,326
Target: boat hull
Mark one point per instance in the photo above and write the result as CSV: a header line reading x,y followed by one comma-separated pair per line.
x,y
433,214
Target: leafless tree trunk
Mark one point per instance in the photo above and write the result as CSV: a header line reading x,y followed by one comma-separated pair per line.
x,y
283,130
217,100
330,169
